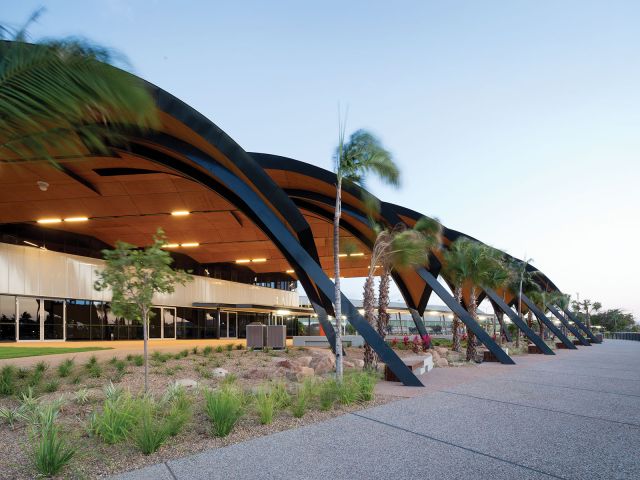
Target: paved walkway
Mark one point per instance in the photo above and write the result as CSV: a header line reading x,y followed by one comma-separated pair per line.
x,y
572,416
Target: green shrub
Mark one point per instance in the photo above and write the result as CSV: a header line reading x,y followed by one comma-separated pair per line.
x,y
229,347
81,397
51,386
281,395
121,366
328,394
95,371
266,403
366,383
138,360
41,367
302,398
224,408
65,368
179,414
129,357
113,360
10,416
150,433
91,362
22,373
7,380
230,379
219,349
35,378
76,380
51,452
184,353
348,391
208,350
194,350
239,346
117,418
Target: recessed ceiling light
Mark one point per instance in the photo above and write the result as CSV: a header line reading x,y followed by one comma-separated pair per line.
x,y
180,213
359,254
289,271
258,260
30,243
190,244
342,254
76,219
172,245
243,260
50,220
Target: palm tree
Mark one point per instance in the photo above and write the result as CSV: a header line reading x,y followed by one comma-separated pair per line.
x,y
499,278
354,159
469,264
62,99
396,248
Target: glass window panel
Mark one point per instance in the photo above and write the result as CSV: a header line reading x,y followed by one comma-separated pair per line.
x,y
155,322
29,318
53,319
78,320
7,318
169,318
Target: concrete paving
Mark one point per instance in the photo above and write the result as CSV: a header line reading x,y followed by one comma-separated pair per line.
x,y
572,416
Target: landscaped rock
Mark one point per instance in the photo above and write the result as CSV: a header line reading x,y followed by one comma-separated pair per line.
x,y
435,355
358,363
304,361
301,374
257,374
441,350
348,364
187,383
220,372
323,364
454,356
442,362
277,359
287,364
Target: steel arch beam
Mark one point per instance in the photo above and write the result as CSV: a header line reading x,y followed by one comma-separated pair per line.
x,y
584,328
457,309
535,338
570,327
549,324
252,204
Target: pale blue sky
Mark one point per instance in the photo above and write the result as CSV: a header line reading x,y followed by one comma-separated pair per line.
x,y
514,121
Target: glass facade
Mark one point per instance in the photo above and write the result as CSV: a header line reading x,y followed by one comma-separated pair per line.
x,y
29,318
7,318
87,320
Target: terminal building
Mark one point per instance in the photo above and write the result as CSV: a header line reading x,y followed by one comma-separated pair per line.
x,y
251,227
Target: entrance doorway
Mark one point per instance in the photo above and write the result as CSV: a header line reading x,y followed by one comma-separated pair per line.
x,y
162,324
228,325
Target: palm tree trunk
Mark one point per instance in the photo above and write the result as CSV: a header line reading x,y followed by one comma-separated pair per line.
x,y
145,339
471,337
530,319
336,265
541,329
369,314
383,302
500,317
456,323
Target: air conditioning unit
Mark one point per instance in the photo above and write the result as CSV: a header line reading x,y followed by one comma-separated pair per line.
x,y
276,336
256,335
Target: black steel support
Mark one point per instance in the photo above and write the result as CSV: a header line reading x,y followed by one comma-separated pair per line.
x,y
570,327
522,325
248,200
417,319
457,309
543,318
584,328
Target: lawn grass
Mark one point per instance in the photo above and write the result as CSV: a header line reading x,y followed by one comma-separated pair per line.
x,y
18,352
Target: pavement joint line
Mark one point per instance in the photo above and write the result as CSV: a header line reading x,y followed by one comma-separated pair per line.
x,y
599,368
584,375
634,425
451,444
166,464
568,387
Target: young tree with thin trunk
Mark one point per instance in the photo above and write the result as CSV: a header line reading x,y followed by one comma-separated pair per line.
x,y
354,160
134,275
62,99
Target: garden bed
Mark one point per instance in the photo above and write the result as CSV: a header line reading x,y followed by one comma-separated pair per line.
x,y
84,390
